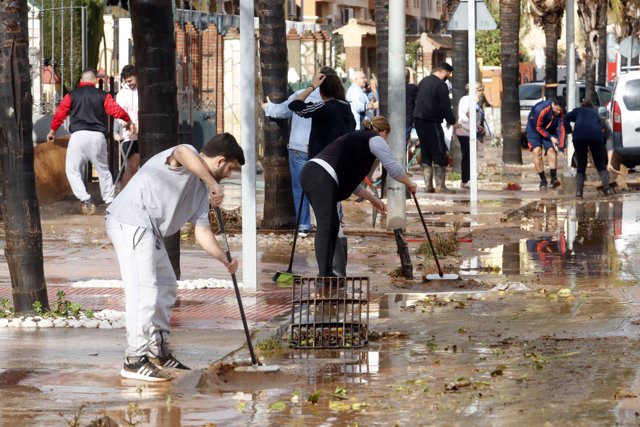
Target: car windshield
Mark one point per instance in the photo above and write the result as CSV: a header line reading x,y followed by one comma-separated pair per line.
x,y
530,92
631,95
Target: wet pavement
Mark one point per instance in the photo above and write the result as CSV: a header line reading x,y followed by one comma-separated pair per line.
x,y
541,329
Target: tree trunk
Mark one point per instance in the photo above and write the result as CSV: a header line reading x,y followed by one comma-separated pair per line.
x,y
589,73
510,110
154,50
20,210
279,212
552,27
460,78
601,77
382,53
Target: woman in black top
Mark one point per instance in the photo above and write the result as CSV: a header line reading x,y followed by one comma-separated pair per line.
x,y
336,172
330,118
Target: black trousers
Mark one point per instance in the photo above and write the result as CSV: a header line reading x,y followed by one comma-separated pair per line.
x,y
322,191
466,160
432,145
582,147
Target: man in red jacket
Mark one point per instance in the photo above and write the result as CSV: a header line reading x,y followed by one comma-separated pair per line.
x,y
87,107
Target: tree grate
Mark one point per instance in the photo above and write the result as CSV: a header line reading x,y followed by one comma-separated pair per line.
x,y
330,312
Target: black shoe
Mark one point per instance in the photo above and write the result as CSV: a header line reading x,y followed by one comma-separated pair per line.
x,y
168,361
555,183
579,194
543,185
140,368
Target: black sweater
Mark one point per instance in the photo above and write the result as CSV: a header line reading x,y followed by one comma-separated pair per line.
x,y
351,159
330,120
433,103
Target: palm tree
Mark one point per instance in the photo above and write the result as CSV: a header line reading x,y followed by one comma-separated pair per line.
x,y
154,50
280,212
625,15
460,59
510,109
593,18
548,15
23,232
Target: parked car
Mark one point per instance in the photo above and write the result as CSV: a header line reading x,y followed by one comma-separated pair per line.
x,y
532,93
624,118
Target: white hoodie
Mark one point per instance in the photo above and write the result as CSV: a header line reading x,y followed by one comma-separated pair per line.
x,y
127,98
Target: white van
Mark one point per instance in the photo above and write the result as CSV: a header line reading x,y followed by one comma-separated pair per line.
x,y
624,117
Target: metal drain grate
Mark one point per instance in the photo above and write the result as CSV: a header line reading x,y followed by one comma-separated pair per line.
x,y
330,312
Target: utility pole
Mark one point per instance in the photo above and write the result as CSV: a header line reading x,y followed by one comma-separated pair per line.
x,y
248,142
396,193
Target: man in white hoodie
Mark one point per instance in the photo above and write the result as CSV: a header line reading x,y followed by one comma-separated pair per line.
x,y
127,98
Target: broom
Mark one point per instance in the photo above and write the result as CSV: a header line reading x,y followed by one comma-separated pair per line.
x,y
287,276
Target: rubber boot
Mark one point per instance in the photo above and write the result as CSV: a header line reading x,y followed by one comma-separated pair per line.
x,y
427,171
579,185
604,178
441,187
339,263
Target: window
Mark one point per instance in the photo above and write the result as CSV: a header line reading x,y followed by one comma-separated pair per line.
x,y
631,95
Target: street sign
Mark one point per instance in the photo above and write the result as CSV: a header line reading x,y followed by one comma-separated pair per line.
x,y
630,47
459,21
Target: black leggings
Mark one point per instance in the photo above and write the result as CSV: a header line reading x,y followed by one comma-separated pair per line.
x,y
582,147
466,160
322,191
432,145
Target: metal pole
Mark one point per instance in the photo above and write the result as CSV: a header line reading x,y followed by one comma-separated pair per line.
x,y
41,57
473,159
72,61
571,69
62,47
84,37
396,193
53,56
248,126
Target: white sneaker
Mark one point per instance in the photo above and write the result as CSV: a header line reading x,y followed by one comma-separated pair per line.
x,y
303,233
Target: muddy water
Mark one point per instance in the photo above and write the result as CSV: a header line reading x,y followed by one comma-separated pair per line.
x,y
457,353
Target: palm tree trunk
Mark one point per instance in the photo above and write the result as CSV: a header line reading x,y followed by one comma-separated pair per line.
x,y
154,50
601,78
552,27
510,109
589,73
20,210
279,212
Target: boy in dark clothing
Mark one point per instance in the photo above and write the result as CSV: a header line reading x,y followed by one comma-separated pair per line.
x,y
432,106
545,130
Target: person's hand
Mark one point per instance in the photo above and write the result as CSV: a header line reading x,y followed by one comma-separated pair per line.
x,y
117,137
232,266
412,187
554,140
612,170
264,105
216,195
379,204
317,80
457,125
51,136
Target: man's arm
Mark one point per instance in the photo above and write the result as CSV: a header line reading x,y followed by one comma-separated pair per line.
x,y
540,122
115,110
206,239
183,155
60,115
445,104
278,111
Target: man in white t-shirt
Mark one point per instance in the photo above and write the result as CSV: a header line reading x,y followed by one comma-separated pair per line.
x,y
358,99
173,187
127,98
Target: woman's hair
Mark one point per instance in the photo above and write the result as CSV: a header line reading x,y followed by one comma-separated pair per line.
x,y
331,87
377,124
586,103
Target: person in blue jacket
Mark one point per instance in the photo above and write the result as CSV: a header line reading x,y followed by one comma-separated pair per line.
x,y
588,135
545,135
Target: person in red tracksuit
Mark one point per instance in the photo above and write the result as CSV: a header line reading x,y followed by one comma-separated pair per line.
x,y
87,107
545,134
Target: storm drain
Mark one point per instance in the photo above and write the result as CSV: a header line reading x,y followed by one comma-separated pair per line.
x,y
330,312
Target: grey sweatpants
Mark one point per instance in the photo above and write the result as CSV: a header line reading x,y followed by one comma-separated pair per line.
x,y
149,286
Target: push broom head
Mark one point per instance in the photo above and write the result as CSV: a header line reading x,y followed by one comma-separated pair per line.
x,y
442,277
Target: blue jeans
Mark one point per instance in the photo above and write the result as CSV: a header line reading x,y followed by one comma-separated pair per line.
x,y
297,159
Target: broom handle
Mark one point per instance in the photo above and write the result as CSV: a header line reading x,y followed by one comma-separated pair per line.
x,y
254,359
295,233
424,224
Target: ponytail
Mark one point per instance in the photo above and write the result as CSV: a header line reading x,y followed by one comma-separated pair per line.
x,y
377,124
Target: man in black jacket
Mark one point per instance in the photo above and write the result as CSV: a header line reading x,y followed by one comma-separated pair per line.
x,y
432,106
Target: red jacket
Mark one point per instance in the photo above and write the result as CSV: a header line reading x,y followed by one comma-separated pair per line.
x,y
87,106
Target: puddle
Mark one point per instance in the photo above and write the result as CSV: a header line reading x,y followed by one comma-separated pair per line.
x,y
590,239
